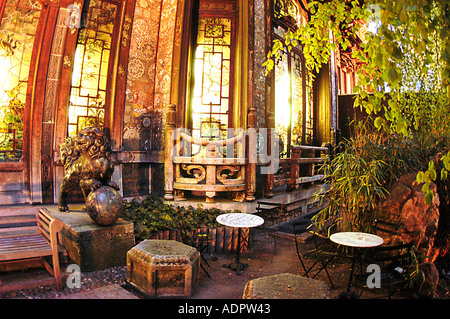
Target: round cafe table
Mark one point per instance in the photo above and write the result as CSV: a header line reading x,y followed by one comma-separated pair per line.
x,y
356,240
239,221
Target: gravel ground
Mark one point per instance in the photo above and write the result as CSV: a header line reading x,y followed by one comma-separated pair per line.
x,y
224,283
89,280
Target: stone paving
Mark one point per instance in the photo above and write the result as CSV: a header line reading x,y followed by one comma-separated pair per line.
x,y
107,292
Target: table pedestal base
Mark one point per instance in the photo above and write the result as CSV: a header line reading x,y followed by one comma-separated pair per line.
x,y
236,264
239,221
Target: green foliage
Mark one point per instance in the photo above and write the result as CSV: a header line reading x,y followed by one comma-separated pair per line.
x,y
408,55
11,126
153,215
317,35
355,183
359,176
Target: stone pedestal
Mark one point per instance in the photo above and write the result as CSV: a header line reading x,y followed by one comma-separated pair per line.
x,y
286,286
95,247
163,268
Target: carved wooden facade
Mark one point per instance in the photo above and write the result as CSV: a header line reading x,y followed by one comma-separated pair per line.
x,y
141,87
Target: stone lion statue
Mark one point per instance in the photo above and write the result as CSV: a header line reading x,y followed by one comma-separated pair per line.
x,y
87,163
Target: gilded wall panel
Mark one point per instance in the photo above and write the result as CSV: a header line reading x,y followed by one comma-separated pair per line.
x,y
140,79
149,73
165,53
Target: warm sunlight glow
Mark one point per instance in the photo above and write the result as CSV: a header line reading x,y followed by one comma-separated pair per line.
x,y
7,82
90,68
282,107
210,101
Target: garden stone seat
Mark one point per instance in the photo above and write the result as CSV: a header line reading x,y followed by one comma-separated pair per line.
x,y
163,268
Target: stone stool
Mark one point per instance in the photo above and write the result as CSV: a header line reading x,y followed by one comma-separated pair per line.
x,y
163,268
285,286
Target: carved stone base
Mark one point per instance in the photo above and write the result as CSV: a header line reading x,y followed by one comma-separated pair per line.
x,y
95,247
163,268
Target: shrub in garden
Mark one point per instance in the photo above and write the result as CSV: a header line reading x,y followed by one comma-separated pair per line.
x,y
152,215
359,176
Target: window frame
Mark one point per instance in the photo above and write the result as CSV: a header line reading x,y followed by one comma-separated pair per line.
x,y
111,77
19,164
307,133
208,9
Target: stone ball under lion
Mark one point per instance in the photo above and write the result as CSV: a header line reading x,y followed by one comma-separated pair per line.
x,y
104,205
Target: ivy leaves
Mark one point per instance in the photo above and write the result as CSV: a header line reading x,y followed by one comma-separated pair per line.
x,y
152,215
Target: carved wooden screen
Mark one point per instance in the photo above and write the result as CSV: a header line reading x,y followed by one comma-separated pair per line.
x,y
286,9
211,103
89,88
17,32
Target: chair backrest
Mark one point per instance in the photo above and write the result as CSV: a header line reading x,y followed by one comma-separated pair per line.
x,y
318,229
393,254
386,227
48,226
186,234
301,226
197,238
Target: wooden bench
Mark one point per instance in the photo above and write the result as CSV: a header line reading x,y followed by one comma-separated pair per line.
x,y
27,238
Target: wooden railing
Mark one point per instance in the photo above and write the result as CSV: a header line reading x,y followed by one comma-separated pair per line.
x,y
208,167
299,169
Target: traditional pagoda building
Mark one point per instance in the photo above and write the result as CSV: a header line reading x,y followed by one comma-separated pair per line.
x,y
180,89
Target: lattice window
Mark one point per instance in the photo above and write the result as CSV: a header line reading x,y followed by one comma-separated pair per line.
x,y
17,32
298,94
309,113
211,101
90,71
289,99
294,115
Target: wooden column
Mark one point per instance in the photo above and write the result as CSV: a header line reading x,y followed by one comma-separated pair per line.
x,y
251,155
310,167
295,168
268,192
168,152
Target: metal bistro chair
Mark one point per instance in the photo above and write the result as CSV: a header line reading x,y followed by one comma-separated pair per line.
x,y
301,227
197,240
270,211
392,259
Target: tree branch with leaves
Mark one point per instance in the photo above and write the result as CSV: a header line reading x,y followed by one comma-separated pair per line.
x,y
404,74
